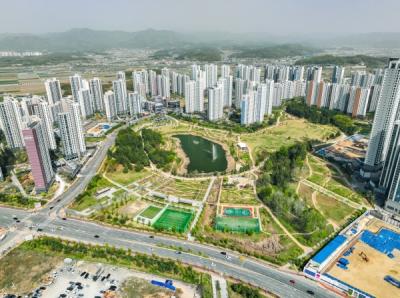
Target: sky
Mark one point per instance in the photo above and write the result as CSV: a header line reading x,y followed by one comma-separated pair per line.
x,y
270,16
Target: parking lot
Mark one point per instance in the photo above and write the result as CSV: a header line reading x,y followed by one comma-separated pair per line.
x,y
83,279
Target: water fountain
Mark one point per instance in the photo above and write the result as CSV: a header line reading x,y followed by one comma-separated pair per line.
x,y
214,152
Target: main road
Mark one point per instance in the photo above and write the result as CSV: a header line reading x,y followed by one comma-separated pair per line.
x,y
50,222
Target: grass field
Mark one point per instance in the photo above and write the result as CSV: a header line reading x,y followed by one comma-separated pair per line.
x,y
234,195
127,178
150,212
135,287
237,224
333,209
22,270
174,220
287,133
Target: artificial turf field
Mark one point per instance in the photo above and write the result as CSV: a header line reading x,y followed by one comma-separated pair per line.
x,y
237,224
150,212
174,220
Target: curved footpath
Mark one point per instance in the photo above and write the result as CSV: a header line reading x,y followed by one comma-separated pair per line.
x,y
246,269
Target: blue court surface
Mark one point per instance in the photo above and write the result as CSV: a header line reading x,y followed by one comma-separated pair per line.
x,y
328,249
384,241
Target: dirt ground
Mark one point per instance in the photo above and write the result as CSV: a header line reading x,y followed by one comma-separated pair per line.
x,y
368,276
133,208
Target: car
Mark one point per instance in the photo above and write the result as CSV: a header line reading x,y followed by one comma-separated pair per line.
x,y
96,236
51,207
223,253
64,218
58,200
151,236
17,221
39,229
113,288
292,281
310,292
178,252
83,273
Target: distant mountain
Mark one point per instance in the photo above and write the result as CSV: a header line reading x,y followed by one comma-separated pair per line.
x,y
89,40
77,40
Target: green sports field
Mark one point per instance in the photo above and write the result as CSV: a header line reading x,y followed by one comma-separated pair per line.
x,y
237,224
237,212
150,212
174,220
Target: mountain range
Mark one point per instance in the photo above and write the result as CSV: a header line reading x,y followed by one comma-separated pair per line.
x,y
82,39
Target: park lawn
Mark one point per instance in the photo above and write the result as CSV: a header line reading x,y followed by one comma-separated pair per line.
x,y
87,198
343,191
127,178
150,212
95,139
318,179
22,270
317,166
289,132
234,195
333,209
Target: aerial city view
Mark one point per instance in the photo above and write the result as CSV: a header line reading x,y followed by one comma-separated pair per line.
x,y
241,149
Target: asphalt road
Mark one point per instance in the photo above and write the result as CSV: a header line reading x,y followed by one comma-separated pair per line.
x,y
246,269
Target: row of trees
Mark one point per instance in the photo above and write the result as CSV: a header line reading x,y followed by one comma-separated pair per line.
x,y
245,291
233,124
273,189
313,114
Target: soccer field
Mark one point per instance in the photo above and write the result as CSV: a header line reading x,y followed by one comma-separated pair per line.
x,y
237,224
174,220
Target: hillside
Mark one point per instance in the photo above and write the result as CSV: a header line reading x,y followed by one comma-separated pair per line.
x,y
369,61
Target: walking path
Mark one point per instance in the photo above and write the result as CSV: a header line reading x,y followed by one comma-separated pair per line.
x,y
220,291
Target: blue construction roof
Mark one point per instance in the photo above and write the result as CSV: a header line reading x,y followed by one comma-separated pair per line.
x,y
328,249
384,241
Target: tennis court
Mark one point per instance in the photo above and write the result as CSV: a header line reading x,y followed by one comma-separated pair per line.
x,y
174,220
150,212
241,212
237,224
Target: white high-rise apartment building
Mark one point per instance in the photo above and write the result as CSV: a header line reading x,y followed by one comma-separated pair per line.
x,y
76,85
134,103
11,122
85,103
216,103
190,90
96,91
71,131
338,75
109,105
247,109
269,93
195,72
260,102
53,90
153,83
225,71
211,71
119,90
227,83
42,110
385,115
240,90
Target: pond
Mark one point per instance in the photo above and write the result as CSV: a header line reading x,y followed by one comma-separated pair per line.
x,y
204,156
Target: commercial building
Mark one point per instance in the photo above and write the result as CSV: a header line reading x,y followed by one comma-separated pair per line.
x,y
38,155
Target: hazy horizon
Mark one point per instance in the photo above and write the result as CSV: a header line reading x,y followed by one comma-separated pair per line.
x,y
256,16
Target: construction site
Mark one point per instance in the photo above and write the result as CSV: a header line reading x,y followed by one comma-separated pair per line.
x,y
363,260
